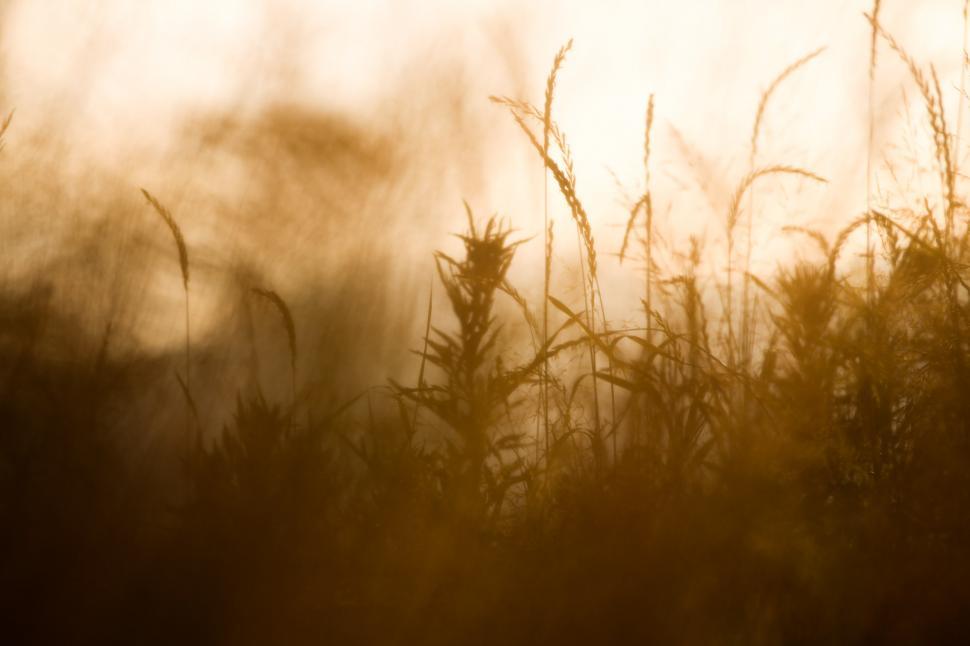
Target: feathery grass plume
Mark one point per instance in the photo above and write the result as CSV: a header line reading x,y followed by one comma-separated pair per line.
x,y
914,69
550,91
964,61
734,212
549,129
183,265
176,235
4,125
935,248
566,182
874,39
843,237
546,227
644,201
560,137
816,236
873,52
927,91
752,160
941,137
703,172
769,92
287,317
933,101
648,220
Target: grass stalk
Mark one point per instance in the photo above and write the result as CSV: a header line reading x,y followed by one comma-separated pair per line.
x,y
746,341
289,326
547,234
183,256
873,52
964,62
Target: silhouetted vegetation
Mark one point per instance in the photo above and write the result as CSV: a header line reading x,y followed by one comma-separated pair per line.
x,y
761,460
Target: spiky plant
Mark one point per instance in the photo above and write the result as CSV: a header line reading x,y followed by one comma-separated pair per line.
x,y
477,390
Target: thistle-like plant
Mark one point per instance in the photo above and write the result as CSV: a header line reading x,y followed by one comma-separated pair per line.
x,y
477,388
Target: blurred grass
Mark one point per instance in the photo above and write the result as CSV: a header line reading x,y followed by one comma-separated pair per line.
x,y
790,464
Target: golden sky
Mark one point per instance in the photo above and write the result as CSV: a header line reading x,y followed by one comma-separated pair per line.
x,y
118,79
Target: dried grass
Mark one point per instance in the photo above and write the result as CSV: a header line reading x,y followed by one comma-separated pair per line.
x,y
288,325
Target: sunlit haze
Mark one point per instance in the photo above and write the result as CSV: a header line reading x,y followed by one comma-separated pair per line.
x,y
401,322
124,88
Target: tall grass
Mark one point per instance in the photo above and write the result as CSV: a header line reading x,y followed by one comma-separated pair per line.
x,y
478,388
873,51
760,114
565,179
289,326
183,256
808,484
547,225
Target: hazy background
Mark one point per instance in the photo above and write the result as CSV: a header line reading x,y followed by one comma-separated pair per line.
x,y
323,149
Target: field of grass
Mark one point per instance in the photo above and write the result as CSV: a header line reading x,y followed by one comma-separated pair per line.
x,y
757,459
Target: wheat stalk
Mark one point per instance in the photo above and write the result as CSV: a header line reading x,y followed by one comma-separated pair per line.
x,y
964,59
550,92
874,38
873,52
752,158
733,215
941,137
566,181
176,235
769,92
644,201
567,187
933,101
183,253
746,183
287,317
547,124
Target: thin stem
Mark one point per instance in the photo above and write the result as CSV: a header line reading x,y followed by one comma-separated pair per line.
x,y
546,270
424,351
963,89
188,363
589,303
870,278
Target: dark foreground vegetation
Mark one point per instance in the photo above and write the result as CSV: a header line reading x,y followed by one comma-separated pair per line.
x,y
761,460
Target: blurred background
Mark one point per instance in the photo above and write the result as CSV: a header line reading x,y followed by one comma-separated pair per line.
x,y
199,438
323,150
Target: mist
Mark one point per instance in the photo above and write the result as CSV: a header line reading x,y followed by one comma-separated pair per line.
x,y
382,322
